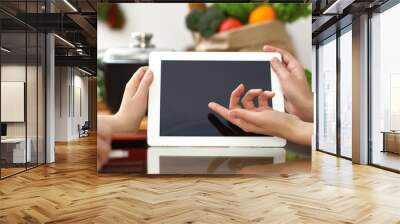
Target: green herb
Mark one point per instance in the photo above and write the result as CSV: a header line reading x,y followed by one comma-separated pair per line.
x,y
308,76
193,18
290,156
101,93
290,12
205,21
240,11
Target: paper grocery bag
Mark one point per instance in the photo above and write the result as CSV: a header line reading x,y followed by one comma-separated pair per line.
x,y
247,38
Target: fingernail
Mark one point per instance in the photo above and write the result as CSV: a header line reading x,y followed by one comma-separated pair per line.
x,y
274,59
149,74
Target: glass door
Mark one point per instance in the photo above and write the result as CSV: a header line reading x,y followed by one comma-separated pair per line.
x,y
22,77
346,92
327,95
14,153
385,89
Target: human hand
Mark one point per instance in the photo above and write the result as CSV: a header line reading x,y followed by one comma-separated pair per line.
x,y
103,142
262,119
134,102
298,96
130,114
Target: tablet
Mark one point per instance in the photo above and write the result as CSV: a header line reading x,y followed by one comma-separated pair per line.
x,y
185,82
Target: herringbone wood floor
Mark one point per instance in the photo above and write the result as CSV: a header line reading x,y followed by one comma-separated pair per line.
x,y
70,191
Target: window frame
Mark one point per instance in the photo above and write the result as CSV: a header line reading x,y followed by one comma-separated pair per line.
x,y
347,27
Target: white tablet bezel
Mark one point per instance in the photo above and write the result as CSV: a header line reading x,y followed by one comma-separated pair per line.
x,y
153,124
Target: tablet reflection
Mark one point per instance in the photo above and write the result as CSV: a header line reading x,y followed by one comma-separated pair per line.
x,y
211,160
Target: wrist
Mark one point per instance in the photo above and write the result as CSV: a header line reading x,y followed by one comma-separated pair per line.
x,y
300,132
307,108
124,124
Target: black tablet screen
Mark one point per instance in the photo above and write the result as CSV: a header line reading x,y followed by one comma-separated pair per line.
x,y
188,86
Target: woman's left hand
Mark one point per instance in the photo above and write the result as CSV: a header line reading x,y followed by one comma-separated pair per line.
x,y
262,119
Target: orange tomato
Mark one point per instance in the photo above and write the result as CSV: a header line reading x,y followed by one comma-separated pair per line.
x,y
197,6
261,14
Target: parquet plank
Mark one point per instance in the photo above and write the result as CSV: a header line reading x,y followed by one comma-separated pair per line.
x,y
71,191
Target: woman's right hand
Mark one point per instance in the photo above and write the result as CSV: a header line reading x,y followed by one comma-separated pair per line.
x,y
299,99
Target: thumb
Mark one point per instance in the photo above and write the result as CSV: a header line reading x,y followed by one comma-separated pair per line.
x,y
245,115
280,69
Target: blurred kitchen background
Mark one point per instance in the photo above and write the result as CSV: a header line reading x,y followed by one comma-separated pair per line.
x,y
127,32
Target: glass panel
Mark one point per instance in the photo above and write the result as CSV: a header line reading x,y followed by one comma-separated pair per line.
x,y
346,94
32,88
23,88
41,99
31,97
327,96
385,84
13,85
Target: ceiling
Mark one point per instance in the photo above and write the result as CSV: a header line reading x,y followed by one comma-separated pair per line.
x,y
74,22
331,15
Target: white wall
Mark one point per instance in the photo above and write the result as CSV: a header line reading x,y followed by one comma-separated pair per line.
x,y
33,127
167,22
80,88
61,103
68,83
16,73
300,31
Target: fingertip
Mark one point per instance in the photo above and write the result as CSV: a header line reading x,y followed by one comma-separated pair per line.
x,y
240,86
256,92
267,48
150,73
275,60
238,91
149,76
211,105
143,69
267,92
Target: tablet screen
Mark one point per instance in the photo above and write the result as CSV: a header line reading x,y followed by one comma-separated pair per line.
x,y
188,86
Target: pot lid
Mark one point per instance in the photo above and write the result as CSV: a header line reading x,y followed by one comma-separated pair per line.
x,y
137,52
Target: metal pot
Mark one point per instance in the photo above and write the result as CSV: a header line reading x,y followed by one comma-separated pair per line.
x,y
119,64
